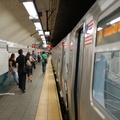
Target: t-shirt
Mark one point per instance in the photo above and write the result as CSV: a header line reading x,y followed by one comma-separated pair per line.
x,y
34,55
21,60
43,56
13,62
27,58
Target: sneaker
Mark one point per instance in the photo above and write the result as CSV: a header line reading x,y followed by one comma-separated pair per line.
x,y
23,91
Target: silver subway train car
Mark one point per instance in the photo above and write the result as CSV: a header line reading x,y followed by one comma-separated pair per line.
x,y
87,64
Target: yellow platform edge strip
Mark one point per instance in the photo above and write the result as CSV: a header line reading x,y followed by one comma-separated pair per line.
x,y
48,107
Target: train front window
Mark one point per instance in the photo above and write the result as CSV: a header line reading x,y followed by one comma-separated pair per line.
x,y
106,85
108,29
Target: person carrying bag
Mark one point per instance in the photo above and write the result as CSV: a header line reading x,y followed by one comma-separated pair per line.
x,y
29,67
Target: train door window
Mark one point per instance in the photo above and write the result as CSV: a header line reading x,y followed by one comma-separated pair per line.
x,y
106,87
106,84
108,29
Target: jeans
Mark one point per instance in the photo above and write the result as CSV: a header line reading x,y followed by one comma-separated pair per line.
x,y
43,67
15,75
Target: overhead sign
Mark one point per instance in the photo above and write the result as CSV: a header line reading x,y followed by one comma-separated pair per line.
x,y
112,31
38,46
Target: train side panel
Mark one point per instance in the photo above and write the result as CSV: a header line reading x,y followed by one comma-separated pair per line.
x,y
89,96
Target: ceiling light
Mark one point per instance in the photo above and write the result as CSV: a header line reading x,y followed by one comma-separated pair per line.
x,y
43,37
31,9
47,33
41,32
38,25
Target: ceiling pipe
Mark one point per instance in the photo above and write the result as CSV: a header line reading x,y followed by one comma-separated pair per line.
x,y
33,33
47,20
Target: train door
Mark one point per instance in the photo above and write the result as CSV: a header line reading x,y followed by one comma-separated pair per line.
x,y
64,45
59,61
78,72
60,67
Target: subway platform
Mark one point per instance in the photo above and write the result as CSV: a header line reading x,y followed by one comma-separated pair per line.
x,y
39,102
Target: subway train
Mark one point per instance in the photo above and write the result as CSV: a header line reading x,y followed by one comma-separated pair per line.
x,y
87,64
6,49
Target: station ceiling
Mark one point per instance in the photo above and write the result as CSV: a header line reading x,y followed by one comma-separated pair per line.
x,y
63,15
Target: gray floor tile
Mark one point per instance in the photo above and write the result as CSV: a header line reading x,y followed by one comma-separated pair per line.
x,y
22,106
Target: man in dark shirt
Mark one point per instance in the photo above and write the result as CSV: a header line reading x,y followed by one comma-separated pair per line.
x,y
20,64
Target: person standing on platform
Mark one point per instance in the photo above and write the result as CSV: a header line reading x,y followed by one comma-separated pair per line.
x,y
34,56
29,67
38,57
44,61
20,64
12,66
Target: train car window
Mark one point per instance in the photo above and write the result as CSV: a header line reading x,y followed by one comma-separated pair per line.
x,y
106,85
108,29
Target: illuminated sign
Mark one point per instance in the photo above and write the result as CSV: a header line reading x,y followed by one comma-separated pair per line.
x,y
115,28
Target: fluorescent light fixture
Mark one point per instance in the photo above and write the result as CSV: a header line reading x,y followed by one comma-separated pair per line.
x,y
42,37
41,32
31,9
32,18
47,33
37,29
115,20
99,28
38,25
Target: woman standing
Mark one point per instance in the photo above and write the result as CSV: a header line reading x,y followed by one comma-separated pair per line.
x,y
29,67
13,70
